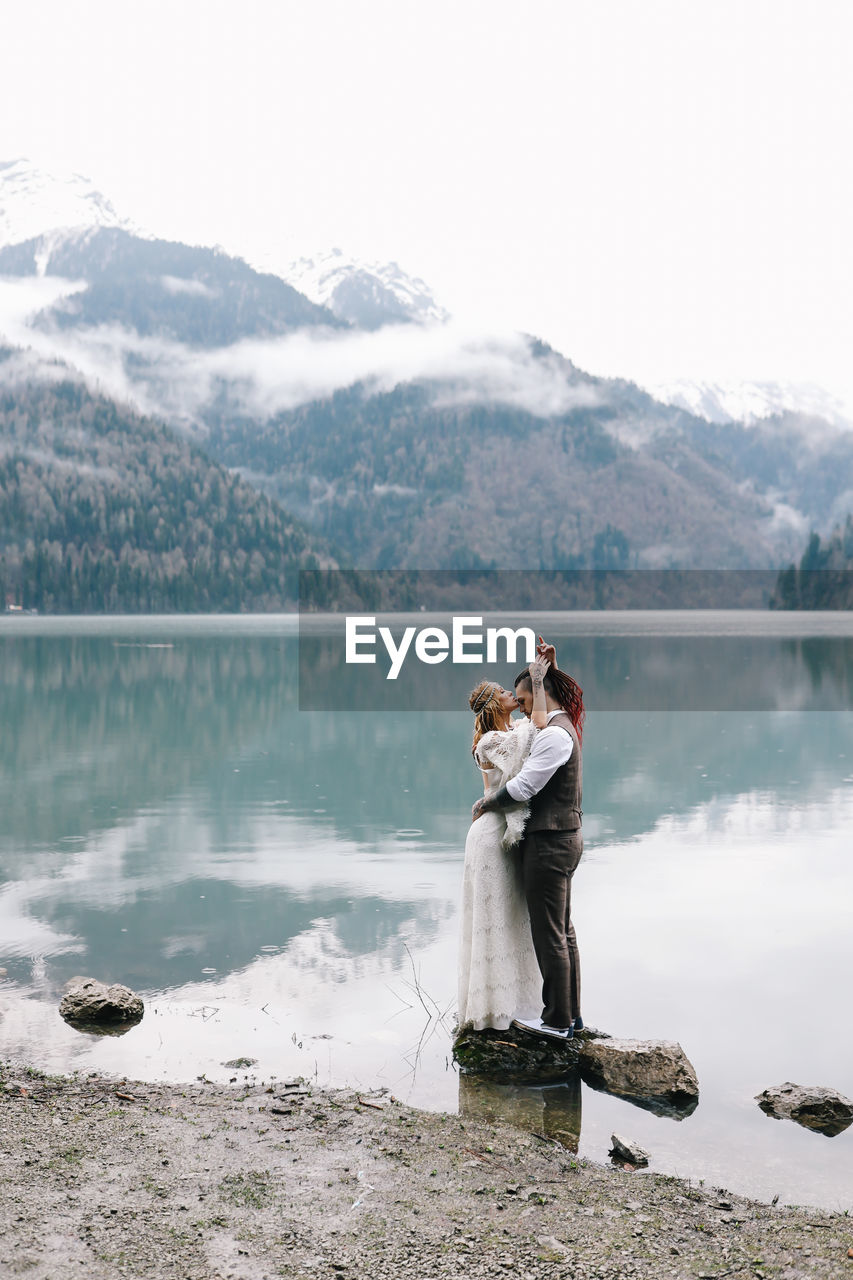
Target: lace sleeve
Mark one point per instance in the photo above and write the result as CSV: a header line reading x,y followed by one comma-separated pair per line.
x,y
484,746
506,750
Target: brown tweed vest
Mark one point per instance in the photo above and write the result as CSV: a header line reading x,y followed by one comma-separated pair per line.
x,y
557,807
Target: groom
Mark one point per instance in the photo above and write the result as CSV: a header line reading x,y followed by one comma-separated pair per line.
x,y
550,781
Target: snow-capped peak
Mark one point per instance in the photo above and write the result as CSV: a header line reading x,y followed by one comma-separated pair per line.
x,y
34,203
750,402
366,294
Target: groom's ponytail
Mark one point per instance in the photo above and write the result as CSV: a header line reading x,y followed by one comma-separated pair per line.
x,y
569,694
563,689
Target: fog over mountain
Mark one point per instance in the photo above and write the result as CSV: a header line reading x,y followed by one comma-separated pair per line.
x,y
408,438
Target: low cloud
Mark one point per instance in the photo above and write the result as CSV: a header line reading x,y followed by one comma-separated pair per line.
x,y
396,490
282,373
267,375
58,355
58,462
29,366
180,284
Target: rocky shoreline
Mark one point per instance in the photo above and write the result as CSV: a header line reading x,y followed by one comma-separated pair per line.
x,y
104,1178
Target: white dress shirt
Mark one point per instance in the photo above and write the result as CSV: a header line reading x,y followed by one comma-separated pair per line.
x,y
552,747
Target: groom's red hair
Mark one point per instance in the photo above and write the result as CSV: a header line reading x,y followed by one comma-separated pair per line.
x,y
563,689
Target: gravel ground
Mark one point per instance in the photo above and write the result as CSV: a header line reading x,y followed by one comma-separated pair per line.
x,y
101,1178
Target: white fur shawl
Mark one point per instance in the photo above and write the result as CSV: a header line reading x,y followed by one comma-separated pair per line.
x,y
507,751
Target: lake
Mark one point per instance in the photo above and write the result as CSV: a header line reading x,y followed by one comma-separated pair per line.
x,y
283,884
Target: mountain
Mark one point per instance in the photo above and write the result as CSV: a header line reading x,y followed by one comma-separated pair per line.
x,y
366,295
417,477
50,213
752,402
34,203
104,510
201,297
801,465
420,446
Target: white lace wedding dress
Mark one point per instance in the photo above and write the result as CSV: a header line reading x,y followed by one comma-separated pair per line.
x,y
499,978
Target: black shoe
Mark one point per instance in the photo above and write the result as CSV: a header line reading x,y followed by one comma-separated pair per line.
x,y
578,1023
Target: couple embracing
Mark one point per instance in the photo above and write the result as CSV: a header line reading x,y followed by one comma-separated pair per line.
x,y
519,961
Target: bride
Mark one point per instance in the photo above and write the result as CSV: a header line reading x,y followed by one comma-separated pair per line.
x,y
499,978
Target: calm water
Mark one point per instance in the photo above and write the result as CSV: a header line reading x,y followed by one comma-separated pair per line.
x,y
283,885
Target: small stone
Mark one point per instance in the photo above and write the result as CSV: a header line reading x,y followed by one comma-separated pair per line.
x,y
817,1108
626,1149
540,1196
237,1063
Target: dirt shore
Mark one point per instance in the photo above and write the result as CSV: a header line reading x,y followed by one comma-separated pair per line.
x,y
102,1178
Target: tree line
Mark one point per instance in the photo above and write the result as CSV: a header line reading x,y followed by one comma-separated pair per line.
x,y
102,510
824,577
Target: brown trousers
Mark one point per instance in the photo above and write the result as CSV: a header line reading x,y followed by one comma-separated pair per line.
x,y
548,860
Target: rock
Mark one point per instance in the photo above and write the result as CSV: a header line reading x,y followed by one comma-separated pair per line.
x,y
236,1063
653,1074
625,1149
553,1246
90,1005
823,1110
513,1055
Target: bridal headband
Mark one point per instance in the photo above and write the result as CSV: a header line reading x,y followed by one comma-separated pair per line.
x,y
483,698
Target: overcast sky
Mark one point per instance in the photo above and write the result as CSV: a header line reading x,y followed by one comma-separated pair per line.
x,y
660,188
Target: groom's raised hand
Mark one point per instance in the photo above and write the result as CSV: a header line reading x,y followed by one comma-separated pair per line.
x,y
546,651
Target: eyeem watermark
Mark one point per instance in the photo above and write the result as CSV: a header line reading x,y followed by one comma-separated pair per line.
x,y
389,641
467,642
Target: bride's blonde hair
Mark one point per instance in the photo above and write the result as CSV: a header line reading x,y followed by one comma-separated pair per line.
x,y
483,701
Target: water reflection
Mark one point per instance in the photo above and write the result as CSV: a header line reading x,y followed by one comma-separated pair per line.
x,y
673,1106
549,1111
625,662
169,819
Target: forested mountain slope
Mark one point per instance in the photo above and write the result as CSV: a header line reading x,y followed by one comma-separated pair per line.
x,y
104,510
416,477
199,296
